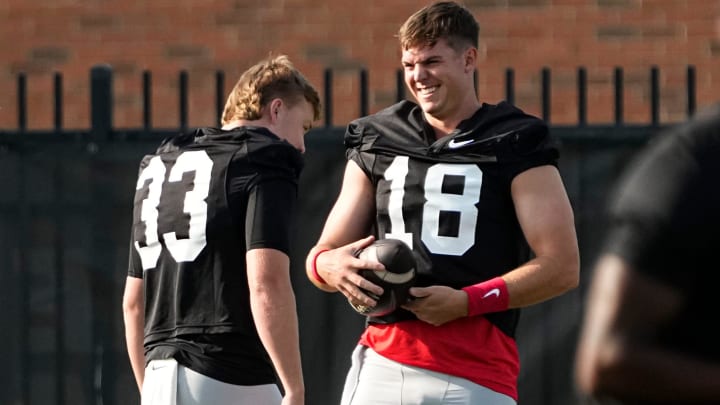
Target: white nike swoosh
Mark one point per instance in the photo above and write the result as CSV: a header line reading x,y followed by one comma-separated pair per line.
x,y
452,144
494,291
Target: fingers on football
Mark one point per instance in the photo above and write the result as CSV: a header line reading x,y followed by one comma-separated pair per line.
x,y
362,243
366,284
358,296
419,292
367,241
369,264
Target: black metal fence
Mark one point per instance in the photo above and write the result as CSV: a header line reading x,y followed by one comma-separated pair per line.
x,y
65,210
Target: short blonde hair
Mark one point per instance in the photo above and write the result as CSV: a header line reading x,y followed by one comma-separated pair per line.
x,y
271,78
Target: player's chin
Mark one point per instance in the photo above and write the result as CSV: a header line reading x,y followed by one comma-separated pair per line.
x,y
434,108
428,106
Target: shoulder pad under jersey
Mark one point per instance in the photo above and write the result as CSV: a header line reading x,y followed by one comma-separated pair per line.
x,y
501,131
399,128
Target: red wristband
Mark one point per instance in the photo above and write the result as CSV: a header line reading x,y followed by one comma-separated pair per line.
x,y
313,266
488,296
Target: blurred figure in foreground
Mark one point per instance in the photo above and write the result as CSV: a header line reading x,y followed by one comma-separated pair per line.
x,y
649,333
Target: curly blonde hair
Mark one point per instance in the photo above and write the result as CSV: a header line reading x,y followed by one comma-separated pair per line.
x,y
271,78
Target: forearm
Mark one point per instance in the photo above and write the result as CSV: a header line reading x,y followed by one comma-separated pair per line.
x,y
134,341
659,376
275,315
535,281
624,312
541,279
134,318
349,221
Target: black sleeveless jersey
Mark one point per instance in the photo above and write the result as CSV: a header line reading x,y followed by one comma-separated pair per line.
x,y
202,200
449,199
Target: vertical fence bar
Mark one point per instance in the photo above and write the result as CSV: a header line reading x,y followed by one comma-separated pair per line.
x,y
546,94
25,281
219,95
328,97
59,256
183,94
147,100
619,98
400,85
59,289
101,101
364,92
691,91
57,102
655,95
21,253
510,85
582,96
22,101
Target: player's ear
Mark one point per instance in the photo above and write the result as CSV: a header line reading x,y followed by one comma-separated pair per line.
x,y
470,56
274,108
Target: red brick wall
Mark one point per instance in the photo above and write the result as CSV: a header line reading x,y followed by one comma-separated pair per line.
x,y
202,36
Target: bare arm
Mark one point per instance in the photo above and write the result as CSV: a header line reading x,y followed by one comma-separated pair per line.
x,y
616,357
546,218
272,301
134,318
346,231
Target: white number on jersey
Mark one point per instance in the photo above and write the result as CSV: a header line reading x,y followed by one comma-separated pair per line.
x,y
395,174
182,250
435,202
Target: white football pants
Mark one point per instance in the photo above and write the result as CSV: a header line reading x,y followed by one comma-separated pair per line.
x,y
168,383
376,380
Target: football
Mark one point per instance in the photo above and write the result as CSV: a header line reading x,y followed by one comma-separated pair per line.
x,y
399,262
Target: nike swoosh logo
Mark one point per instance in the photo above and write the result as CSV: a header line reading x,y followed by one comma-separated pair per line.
x,y
454,145
494,291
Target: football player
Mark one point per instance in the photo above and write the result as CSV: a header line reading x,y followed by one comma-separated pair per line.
x,y
209,310
465,184
647,335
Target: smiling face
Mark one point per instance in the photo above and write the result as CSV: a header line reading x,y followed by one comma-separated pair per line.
x,y
441,80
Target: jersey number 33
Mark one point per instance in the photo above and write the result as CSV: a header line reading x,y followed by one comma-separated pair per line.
x,y
182,250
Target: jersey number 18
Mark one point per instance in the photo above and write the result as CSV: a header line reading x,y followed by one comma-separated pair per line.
x,y
435,202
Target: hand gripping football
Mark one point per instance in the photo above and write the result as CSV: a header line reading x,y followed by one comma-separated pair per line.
x,y
396,281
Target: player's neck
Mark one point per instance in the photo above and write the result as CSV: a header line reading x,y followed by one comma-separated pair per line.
x,y
243,123
445,125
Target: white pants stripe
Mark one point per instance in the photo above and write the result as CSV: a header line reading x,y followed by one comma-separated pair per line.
x,y
376,380
167,383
